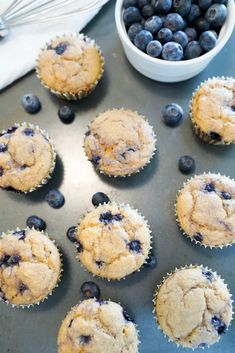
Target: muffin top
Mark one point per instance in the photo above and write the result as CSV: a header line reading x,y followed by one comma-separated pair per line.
x,y
206,209
97,326
193,307
30,266
26,158
70,64
213,109
113,241
119,142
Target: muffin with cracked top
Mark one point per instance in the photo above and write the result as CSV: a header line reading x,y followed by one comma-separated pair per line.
x,y
113,241
27,158
97,326
205,210
193,307
30,267
119,142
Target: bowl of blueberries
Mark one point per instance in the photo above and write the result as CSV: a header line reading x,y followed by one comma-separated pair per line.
x,y
173,40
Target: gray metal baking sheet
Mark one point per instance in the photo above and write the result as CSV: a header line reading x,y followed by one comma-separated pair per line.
x,y
152,191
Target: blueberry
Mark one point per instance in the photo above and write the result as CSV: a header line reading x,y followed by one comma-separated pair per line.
x,y
220,1
36,222
31,103
151,261
22,287
90,290
181,38
208,274
3,147
172,114
210,187
13,260
106,217
72,234
164,35
193,50
78,246
135,246
84,340
131,15
172,51
163,6
142,3
127,316
216,15
55,198
99,198
153,24
61,47
117,217
11,130
95,160
182,7
198,237
66,114
142,39
129,3
207,41
133,30
218,324
194,13
226,195
174,22
204,4
215,136
215,33
186,164
28,132
4,259
154,48
201,25
191,33
148,11
1,171
99,263
21,234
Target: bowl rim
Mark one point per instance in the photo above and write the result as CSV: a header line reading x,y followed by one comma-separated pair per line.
x,y
230,21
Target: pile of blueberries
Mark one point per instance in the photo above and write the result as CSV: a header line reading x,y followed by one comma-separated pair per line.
x,y
174,29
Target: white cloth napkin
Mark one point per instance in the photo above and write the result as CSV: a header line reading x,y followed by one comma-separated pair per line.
x,y
19,50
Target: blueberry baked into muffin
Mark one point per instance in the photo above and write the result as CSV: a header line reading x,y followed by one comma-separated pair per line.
x,y
119,142
113,241
213,110
205,209
27,158
193,307
97,326
30,267
70,66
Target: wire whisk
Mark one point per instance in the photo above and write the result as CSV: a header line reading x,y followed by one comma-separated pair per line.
x,y
23,12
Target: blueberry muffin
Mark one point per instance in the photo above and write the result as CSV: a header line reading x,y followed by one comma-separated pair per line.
x,y
97,326
70,66
213,110
30,267
113,241
205,209
193,307
27,158
119,142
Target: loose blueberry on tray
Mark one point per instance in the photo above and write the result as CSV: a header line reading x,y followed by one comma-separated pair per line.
x,y
90,290
99,198
66,114
55,199
172,114
186,164
36,222
31,103
185,29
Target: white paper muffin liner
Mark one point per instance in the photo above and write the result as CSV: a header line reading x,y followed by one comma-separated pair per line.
x,y
82,93
105,300
142,167
47,177
204,136
169,274
145,222
177,219
23,306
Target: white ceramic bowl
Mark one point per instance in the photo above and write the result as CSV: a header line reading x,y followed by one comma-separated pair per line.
x,y
171,71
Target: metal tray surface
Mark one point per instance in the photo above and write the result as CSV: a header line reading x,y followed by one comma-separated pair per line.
x,y
152,191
